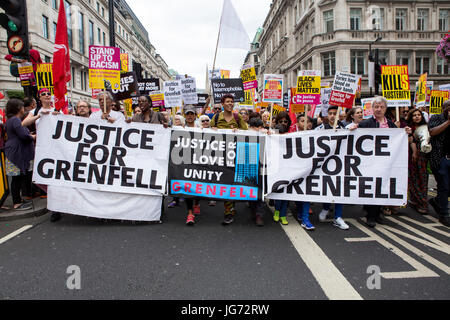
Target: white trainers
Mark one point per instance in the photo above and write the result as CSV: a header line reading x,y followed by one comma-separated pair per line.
x,y
340,223
323,215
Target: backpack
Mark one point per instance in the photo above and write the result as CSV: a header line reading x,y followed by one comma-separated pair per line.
x,y
14,68
236,117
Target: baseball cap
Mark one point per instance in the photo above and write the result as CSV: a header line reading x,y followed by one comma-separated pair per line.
x,y
189,108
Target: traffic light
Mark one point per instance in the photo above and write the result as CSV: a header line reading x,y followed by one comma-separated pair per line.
x,y
14,20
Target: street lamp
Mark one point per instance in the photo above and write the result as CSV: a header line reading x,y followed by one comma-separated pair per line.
x,y
376,62
370,48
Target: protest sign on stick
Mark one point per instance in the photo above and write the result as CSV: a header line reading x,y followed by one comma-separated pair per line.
x,y
172,93
44,76
438,97
221,87
104,67
344,90
249,79
308,86
129,87
189,91
421,91
273,88
395,84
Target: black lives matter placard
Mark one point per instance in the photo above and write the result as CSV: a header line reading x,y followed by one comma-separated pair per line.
x,y
88,154
221,87
366,166
218,165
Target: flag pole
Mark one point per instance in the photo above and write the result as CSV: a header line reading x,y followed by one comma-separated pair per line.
x,y
217,43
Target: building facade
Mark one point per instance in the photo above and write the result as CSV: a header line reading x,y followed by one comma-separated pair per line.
x,y
335,35
88,24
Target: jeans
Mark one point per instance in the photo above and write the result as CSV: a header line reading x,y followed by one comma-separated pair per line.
x,y
337,209
303,210
442,176
281,206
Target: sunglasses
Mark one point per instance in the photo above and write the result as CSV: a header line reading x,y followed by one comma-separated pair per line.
x,y
217,108
205,120
46,94
243,112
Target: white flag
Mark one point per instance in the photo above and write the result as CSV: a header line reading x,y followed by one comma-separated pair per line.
x,y
232,32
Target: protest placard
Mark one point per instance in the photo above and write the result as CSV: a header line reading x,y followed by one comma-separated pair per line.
x,y
325,101
438,97
429,89
129,87
277,109
202,99
421,91
124,64
294,105
225,74
25,71
189,91
344,89
364,166
308,86
104,67
172,94
79,152
395,84
249,79
221,87
44,76
273,88
367,107
157,99
216,165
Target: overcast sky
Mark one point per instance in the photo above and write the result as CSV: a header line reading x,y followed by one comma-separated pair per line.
x,y
184,32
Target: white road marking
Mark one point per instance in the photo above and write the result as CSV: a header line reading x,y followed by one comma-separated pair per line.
x,y
430,241
330,279
429,226
420,270
15,233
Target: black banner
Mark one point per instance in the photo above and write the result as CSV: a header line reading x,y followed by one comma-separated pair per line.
x,y
202,99
221,166
221,87
147,86
128,87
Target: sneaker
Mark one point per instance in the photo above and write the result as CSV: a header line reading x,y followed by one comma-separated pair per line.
x,y
284,221
228,219
323,215
307,225
196,209
190,221
173,204
276,216
259,221
340,223
371,222
55,216
24,206
212,203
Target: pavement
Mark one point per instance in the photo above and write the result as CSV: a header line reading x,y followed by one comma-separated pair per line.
x,y
39,208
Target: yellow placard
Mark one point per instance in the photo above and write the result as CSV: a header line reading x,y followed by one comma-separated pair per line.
x,y
437,99
395,84
44,76
26,69
97,77
128,106
124,65
248,75
224,74
277,109
421,93
308,85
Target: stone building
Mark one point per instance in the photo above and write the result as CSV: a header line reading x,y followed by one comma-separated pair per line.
x,y
335,35
88,24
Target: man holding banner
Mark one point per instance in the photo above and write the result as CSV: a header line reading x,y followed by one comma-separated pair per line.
x,y
105,100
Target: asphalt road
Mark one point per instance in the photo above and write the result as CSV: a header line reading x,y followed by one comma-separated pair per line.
x,y
122,260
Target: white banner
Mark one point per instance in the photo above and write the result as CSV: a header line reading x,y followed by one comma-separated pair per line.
x,y
365,166
88,154
172,94
189,91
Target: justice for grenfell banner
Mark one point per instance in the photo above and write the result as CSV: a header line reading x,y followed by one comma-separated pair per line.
x,y
361,167
216,164
83,153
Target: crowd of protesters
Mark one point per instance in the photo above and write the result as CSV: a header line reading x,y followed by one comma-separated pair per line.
x,y
428,137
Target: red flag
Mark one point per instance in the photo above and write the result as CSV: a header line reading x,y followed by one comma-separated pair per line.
x,y
61,60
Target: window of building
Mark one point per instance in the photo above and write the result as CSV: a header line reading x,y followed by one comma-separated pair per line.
x,y
83,80
400,19
355,18
357,63
73,77
403,58
55,4
329,63
378,19
98,7
103,12
104,39
45,27
81,32
54,31
329,21
422,19
443,67
69,22
423,61
99,34
444,19
91,33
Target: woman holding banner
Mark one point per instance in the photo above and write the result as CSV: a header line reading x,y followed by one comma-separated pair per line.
x,y
418,176
354,117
